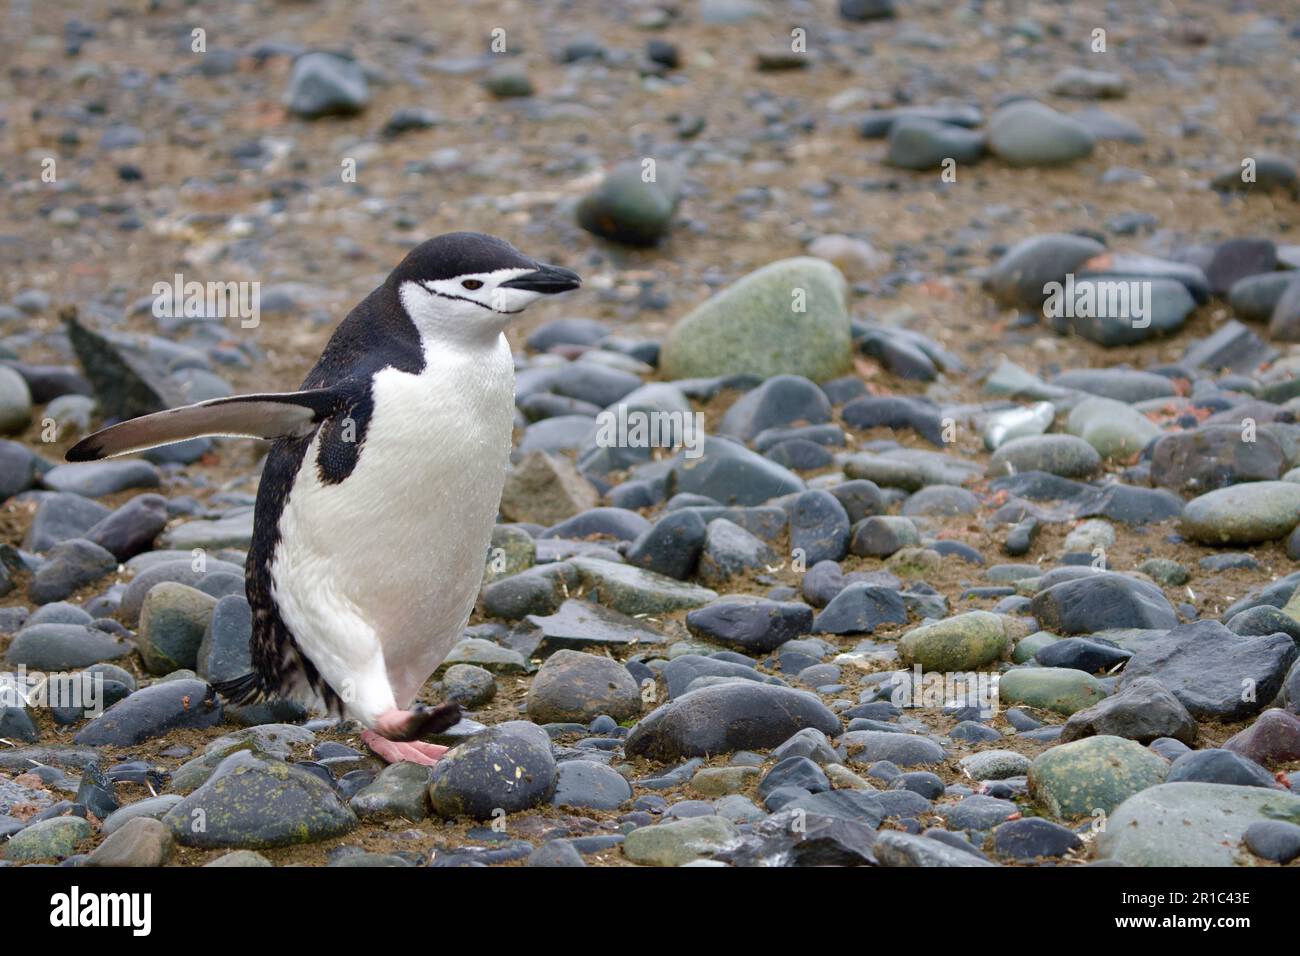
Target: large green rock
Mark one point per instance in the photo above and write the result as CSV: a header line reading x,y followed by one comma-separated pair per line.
x,y
1097,773
400,791
1247,513
1029,133
753,326
1060,689
1191,824
963,642
253,803
57,837
173,620
1028,647
672,844
1115,429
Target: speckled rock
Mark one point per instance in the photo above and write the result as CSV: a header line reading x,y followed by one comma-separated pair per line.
x,y
1097,773
508,767
253,803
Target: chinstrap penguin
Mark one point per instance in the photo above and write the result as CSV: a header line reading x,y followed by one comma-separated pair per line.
x,y
377,500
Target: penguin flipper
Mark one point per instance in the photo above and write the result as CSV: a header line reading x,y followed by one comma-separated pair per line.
x,y
268,415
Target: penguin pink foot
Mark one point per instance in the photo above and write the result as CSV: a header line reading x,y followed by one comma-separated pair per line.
x,y
396,734
396,751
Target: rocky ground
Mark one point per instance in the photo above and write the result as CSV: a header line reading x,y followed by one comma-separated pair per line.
x,y
914,462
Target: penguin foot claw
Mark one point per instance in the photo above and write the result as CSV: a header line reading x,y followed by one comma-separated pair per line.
x,y
397,751
418,723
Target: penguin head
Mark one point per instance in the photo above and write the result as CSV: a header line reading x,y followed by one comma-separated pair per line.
x,y
467,284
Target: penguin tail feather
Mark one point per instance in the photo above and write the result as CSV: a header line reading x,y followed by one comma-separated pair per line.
x,y
246,689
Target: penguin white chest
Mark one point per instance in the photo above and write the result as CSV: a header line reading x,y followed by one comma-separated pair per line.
x,y
389,561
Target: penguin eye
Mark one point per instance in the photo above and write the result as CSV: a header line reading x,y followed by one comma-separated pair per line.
x,y
472,284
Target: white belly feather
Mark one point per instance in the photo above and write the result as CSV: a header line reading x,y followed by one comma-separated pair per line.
x,y
376,576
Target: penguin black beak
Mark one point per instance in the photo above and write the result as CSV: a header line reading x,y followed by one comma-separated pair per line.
x,y
546,280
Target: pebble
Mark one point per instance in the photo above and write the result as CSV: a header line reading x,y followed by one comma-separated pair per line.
x,y
71,565
578,687
468,685
546,488
994,765
99,478
1034,838
1190,824
1273,739
634,591
920,143
964,642
731,551
253,803
325,84
152,712
55,838
1057,689
860,608
15,402
1275,840
977,813
680,841
1143,710
880,536
819,527
1204,665
1094,774
1028,133
1213,457
508,766
865,747
1064,455
1216,765
893,848
141,841
173,622
1078,83
590,785
1243,514
1115,429
508,80
725,718
132,528
62,647
581,625
749,327
400,791
1101,601
752,625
